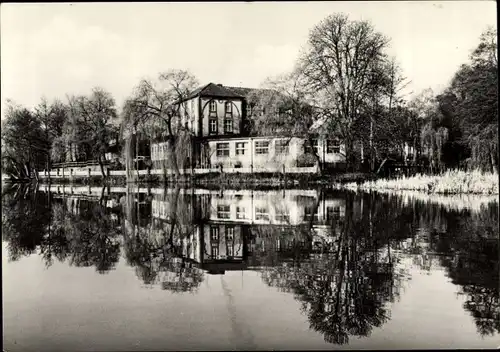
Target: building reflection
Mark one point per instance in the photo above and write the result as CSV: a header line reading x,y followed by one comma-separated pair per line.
x,y
227,228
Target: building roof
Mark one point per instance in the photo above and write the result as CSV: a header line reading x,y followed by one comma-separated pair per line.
x,y
222,91
214,90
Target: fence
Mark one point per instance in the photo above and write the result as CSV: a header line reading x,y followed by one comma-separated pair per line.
x,y
68,172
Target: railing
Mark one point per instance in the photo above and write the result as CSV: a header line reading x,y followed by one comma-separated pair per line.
x,y
68,172
78,164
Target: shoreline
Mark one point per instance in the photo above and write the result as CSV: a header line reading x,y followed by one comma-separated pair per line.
x,y
218,180
452,182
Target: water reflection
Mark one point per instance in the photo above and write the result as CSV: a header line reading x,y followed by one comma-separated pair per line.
x,y
340,254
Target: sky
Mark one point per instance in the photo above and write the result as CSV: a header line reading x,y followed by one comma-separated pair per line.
x,y
53,50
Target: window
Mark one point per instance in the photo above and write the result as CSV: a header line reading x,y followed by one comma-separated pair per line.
x,y
229,233
222,149
336,211
332,147
281,146
223,212
309,213
249,110
240,148
230,251
262,147
228,108
214,234
213,126
261,214
332,213
215,252
240,213
228,126
307,146
315,146
282,216
213,106
329,213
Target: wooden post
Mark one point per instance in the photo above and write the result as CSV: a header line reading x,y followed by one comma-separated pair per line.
x,y
284,174
251,156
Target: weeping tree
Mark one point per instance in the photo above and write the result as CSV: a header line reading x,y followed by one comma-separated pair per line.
x,y
460,126
157,111
159,250
474,89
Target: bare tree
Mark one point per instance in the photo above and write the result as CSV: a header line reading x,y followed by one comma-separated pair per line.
x,y
52,118
156,110
338,64
90,125
283,107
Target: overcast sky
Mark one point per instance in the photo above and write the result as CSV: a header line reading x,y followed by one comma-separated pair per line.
x,y
56,49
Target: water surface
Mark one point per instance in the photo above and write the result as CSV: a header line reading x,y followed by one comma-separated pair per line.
x,y
175,269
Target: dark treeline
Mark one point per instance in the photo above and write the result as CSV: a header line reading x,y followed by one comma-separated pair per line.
x,y
346,280
344,85
79,130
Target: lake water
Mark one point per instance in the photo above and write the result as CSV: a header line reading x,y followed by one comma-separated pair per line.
x,y
195,269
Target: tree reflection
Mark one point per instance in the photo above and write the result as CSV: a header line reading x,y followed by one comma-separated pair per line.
x,y
25,218
472,263
84,234
344,288
93,238
56,243
466,243
157,249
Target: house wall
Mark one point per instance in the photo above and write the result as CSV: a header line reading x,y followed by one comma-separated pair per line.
x,y
160,155
271,161
189,114
326,157
237,105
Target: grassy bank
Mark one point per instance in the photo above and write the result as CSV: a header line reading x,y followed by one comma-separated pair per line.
x,y
450,182
233,180
279,179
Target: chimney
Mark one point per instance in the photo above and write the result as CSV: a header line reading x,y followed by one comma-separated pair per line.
x,y
220,85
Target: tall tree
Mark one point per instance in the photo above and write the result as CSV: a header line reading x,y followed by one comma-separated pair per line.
x,y
338,64
52,118
92,124
382,115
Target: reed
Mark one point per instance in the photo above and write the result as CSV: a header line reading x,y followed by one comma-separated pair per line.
x,y
449,182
